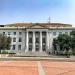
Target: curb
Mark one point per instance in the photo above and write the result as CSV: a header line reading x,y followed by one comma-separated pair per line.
x,y
36,59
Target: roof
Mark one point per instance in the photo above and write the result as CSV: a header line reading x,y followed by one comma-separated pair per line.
x,y
46,25
19,24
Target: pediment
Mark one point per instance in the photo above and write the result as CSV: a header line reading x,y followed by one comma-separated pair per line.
x,y
36,26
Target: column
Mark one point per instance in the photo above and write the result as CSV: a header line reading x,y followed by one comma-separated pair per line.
x,y
27,42
47,41
33,50
40,41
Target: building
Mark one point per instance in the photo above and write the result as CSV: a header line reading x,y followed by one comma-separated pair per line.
x,y
34,37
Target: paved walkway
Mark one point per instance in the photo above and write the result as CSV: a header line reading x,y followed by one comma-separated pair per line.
x,y
37,68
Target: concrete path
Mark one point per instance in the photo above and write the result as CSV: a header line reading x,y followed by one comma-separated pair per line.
x,y
40,68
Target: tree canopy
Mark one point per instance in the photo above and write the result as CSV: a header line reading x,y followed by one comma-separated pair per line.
x,y
5,42
65,42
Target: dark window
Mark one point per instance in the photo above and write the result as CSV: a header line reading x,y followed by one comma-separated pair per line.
x,y
8,33
14,33
37,33
20,33
30,40
54,33
66,32
43,40
3,33
60,32
14,39
19,47
30,47
37,40
37,47
20,39
44,33
13,47
44,47
30,32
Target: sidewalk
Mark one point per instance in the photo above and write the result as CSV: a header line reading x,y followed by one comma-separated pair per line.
x,y
71,59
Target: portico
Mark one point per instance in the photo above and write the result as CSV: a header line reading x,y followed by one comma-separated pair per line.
x,y
36,40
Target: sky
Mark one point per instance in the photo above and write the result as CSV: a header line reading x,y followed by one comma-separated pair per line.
x,y
18,11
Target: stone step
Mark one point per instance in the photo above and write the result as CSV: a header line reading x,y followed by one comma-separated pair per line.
x,y
32,54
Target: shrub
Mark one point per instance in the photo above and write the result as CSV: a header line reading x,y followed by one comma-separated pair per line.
x,y
4,52
11,52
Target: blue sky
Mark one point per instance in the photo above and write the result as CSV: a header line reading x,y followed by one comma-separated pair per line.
x,y
13,11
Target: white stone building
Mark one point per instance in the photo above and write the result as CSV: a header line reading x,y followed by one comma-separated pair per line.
x,y
34,37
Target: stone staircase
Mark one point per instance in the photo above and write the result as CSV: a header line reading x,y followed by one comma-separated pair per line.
x,y
32,54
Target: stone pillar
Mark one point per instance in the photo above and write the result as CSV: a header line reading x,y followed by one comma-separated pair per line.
x,y
40,41
27,39
33,50
47,41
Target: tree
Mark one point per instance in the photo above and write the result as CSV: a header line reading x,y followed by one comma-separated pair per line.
x,y
55,42
4,42
64,42
72,33
73,41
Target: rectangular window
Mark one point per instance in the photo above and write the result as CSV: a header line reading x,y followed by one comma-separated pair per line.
x,y
30,40
54,33
14,33
19,47
3,33
44,47
37,47
66,32
30,47
60,32
43,40
13,47
14,39
20,33
37,40
8,33
43,33
20,39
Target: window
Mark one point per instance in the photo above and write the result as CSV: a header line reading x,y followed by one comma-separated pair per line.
x,y
3,33
43,40
60,32
20,33
14,33
44,47
37,40
20,39
8,33
13,47
19,47
44,33
66,32
37,47
54,33
30,40
14,39
30,47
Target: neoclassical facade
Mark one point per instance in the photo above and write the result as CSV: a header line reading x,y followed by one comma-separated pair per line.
x,y
34,37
